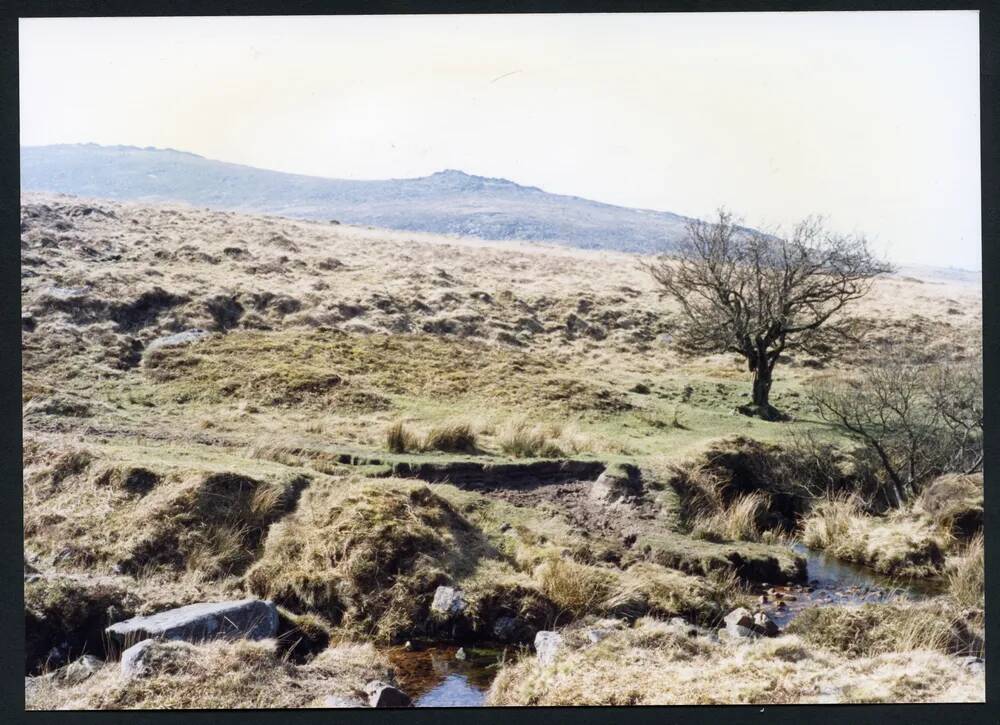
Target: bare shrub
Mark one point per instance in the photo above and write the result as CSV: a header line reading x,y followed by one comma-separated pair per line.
x,y
903,414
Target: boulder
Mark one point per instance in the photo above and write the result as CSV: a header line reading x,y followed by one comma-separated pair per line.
x,y
596,634
764,625
618,481
133,662
512,629
381,694
448,602
547,646
249,618
739,623
178,339
80,670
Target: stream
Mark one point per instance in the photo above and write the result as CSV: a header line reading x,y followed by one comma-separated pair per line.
x,y
434,677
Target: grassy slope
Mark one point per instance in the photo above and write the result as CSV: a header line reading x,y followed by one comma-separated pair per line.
x,y
343,332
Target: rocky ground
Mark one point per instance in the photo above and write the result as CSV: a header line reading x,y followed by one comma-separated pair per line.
x,y
391,437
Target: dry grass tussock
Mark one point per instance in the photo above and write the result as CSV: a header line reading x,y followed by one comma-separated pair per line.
x,y
965,573
645,588
368,556
218,675
208,523
655,663
740,520
954,502
457,437
521,438
399,439
451,438
902,543
873,629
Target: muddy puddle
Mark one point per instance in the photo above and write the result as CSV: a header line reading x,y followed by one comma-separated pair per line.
x,y
438,676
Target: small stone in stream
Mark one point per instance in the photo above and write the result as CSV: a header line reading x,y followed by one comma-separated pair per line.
x,y
460,655
448,601
782,606
809,590
381,694
791,598
779,596
547,646
764,625
814,582
739,623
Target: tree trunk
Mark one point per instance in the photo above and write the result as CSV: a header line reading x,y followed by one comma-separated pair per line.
x,y
762,385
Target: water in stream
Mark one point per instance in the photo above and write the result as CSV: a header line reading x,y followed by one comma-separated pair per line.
x,y
832,582
434,677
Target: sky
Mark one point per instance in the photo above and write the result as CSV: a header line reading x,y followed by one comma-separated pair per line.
x,y
868,118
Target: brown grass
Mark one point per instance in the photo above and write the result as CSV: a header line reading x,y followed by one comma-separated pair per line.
x,y
740,520
875,629
399,439
655,663
368,557
966,572
219,675
451,438
903,543
521,439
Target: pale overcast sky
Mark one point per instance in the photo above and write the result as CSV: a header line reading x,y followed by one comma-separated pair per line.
x,y
869,118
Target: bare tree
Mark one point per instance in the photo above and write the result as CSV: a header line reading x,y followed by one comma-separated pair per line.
x,y
919,420
760,296
956,392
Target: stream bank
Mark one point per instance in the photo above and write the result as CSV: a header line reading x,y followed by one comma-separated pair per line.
x,y
439,675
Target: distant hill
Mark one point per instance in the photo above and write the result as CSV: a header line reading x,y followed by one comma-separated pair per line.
x,y
448,202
